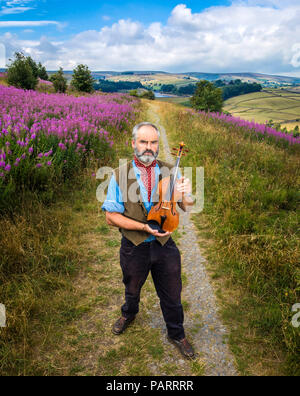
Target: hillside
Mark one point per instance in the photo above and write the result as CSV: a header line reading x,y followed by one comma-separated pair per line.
x,y
264,79
280,105
154,78
250,213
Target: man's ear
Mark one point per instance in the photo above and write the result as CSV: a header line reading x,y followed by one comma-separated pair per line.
x,y
133,144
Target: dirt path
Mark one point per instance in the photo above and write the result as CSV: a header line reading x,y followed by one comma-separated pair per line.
x,y
202,323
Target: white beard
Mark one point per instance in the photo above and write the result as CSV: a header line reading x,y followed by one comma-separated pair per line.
x,y
146,158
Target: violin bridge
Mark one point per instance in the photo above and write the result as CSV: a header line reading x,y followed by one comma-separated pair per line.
x,y
163,207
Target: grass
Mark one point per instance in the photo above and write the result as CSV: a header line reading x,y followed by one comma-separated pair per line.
x,y
290,126
3,82
40,256
184,101
251,214
61,282
64,327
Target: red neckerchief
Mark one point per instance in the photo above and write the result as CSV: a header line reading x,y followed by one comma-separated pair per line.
x,y
147,174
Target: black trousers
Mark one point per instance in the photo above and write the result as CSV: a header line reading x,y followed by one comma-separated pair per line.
x,y
164,262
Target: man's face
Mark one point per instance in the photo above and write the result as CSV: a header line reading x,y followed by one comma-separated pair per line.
x,y
146,146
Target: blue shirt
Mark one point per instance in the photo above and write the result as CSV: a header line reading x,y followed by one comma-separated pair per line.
x,y
114,201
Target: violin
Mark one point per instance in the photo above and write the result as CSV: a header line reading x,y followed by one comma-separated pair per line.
x,y
163,216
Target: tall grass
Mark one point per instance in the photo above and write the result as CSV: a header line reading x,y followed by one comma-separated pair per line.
x,y
40,249
38,256
252,207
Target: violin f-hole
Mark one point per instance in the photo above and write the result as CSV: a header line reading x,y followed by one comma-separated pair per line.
x,y
162,219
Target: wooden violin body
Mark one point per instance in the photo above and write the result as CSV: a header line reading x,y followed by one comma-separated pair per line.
x,y
163,216
164,213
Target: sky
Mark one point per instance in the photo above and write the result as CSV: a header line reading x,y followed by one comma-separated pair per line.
x,y
211,36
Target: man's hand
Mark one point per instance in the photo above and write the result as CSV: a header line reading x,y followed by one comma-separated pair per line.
x,y
118,220
156,233
182,186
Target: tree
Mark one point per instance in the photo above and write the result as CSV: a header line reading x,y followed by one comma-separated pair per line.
x,y
111,86
59,81
42,73
21,72
220,83
148,95
168,88
38,70
82,79
33,65
237,87
207,97
134,92
187,89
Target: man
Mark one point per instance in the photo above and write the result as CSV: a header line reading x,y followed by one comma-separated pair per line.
x,y
144,249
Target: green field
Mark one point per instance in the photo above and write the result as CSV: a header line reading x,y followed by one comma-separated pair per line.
x,y
280,105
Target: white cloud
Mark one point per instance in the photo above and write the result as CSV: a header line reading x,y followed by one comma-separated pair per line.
x,y
267,3
248,35
13,3
2,55
15,7
8,24
296,57
14,10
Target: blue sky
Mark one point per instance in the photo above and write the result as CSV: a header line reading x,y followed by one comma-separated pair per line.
x,y
177,36
77,15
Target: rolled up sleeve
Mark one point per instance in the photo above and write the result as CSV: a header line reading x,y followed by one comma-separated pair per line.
x,y
114,201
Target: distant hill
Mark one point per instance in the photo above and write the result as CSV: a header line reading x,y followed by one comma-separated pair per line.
x,y
264,79
153,79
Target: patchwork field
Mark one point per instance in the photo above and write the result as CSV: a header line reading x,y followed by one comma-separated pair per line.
x,y
280,105
155,80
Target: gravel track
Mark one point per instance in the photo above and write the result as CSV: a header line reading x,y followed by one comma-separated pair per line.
x,y
202,322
